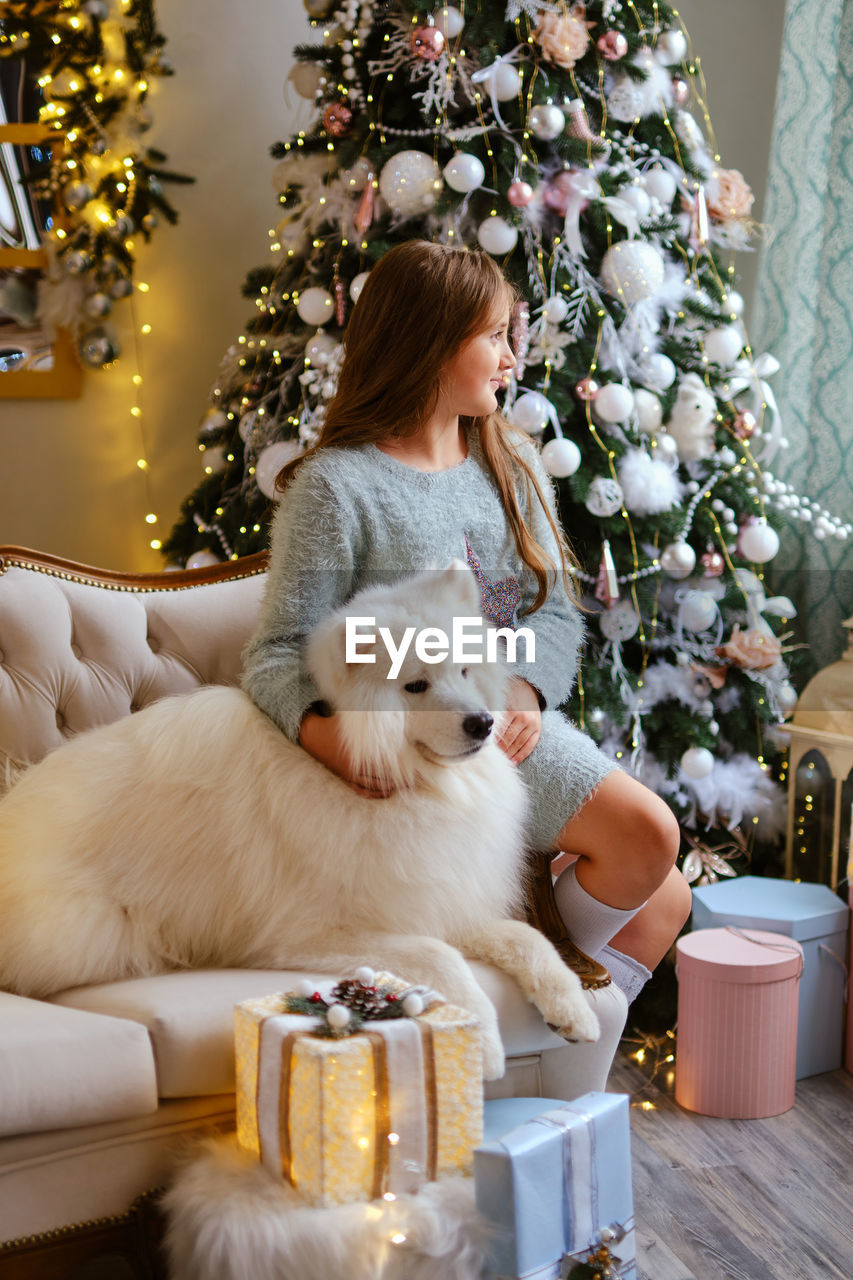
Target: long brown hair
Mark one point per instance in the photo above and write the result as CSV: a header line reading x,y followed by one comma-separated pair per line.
x,y
420,303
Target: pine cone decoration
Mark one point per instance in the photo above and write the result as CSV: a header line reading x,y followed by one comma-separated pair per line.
x,y
367,1002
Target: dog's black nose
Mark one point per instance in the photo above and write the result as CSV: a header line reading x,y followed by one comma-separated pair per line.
x,y
478,726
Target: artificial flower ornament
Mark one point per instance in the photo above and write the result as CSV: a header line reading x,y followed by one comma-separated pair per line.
x,y
753,650
562,37
728,196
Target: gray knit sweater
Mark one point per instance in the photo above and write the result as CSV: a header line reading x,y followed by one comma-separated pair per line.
x,y
352,518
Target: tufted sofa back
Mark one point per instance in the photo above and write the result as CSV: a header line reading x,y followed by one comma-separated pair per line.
x,y
81,647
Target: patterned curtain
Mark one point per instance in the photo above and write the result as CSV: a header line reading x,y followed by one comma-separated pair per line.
x,y
804,306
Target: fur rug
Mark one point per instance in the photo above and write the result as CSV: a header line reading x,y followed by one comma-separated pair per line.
x,y
228,1219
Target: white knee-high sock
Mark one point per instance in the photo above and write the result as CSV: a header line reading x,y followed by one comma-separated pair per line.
x,y
630,975
590,923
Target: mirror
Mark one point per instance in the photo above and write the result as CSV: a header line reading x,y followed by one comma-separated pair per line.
x,y
33,362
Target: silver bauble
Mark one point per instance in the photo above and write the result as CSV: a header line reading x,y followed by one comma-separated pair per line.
x,y
121,288
98,348
76,194
97,304
604,497
678,560
76,262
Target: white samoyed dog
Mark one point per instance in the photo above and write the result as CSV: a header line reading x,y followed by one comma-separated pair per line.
x,y
194,834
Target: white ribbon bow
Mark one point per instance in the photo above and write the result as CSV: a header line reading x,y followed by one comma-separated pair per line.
x,y
755,375
487,77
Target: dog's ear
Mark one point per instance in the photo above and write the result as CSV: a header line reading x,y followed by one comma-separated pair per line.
x,y
459,581
325,655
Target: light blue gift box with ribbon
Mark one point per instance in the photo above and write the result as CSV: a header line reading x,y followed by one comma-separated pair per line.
x,y
551,1176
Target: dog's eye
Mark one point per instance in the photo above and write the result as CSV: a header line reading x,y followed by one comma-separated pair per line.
x,y
464,672
416,686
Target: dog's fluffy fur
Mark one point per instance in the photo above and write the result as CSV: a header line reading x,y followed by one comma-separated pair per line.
x,y
194,834
230,1220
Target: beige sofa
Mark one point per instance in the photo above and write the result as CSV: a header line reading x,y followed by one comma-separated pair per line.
x,y
98,1085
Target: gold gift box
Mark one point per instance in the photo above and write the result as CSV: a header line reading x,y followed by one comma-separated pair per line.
x,y
328,1116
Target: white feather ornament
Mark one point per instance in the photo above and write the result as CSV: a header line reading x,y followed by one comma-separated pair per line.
x,y
648,484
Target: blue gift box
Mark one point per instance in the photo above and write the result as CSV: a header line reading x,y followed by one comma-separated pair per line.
x,y
552,1176
817,918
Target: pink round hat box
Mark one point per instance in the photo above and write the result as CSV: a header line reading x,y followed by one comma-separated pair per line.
x,y
738,995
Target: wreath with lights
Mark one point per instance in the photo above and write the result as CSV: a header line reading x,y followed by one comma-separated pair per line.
x,y
92,63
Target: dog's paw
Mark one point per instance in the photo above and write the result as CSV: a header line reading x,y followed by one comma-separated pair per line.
x,y
494,1061
581,1023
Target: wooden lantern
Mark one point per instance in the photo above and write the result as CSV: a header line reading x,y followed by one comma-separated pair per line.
x,y
821,763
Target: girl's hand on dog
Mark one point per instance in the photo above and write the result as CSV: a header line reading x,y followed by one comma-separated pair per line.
x,y
522,724
320,737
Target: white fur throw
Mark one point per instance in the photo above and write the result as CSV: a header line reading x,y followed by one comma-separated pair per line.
x,y
229,1219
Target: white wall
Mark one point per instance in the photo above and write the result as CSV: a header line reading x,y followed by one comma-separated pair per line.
x,y
68,477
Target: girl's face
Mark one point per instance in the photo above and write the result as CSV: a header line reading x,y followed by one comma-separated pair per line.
x,y
480,368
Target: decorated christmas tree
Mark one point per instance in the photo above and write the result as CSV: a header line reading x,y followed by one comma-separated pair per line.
x,y
573,143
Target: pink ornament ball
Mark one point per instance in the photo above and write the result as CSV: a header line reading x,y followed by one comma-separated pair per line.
x,y
713,564
680,91
612,46
560,191
586,389
427,43
519,194
745,424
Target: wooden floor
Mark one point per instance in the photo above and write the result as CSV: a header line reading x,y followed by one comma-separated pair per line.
x,y
742,1199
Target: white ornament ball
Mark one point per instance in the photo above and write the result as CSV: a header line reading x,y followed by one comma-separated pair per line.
x,y
659,371
660,184
338,1016
758,542
357,284
408,183
648,410
614,402
449,21
786,699
303,987
632,270
735,303
531,412
270,462
214,457
723,346
671,46
638,198
365,975
464,172
697,762
604,497
678,560
555,309
504,82
497,236
620,622
306,78
546,121
698,610
561,457
360,174
667,446
413,1005
315,306
320,347
202,560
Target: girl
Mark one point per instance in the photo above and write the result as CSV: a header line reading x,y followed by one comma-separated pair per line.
x,y
414,467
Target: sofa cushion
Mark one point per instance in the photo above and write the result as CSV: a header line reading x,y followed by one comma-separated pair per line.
x,y
190,1017
63,1068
